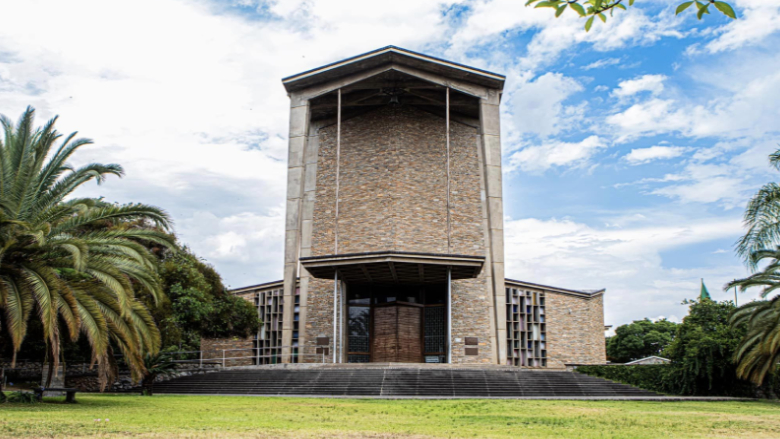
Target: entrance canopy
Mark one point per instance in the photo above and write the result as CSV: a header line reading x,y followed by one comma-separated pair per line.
x,y
393,267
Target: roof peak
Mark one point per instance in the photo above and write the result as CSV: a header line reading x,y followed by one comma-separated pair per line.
x,y
389,55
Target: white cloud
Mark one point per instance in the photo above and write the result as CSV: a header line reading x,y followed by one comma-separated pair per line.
x,y
604,62
728,190
554,36
538,107
539,158
652,83
751,109
627,261
757,20
650,117
725,183
657,152
246,246
187,97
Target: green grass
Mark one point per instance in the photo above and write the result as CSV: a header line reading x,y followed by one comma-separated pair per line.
x,y
165,416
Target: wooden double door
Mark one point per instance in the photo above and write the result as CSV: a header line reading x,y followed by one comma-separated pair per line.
x,y
397,333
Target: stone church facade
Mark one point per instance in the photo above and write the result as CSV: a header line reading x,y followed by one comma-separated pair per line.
x,y
394,248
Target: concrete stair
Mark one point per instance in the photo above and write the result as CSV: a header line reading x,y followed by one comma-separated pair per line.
x,y
400,382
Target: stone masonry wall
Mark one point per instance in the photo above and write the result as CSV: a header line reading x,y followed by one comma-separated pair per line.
x,y
575,330
393,196
393,187
212,350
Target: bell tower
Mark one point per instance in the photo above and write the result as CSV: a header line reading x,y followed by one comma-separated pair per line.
x,y
394,226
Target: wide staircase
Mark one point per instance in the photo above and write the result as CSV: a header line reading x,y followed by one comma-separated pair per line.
x,y
400,382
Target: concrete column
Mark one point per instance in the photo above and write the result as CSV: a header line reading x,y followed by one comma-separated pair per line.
x,y
490,128
449,315
299,129
307,221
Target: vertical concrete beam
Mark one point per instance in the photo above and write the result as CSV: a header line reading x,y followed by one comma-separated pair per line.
x,y
307,222
299,130
490,131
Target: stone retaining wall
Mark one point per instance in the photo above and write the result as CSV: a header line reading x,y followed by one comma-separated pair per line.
x,y
234,347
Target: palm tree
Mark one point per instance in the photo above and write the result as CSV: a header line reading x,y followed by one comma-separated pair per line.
x,y
58,260
762,219
759,350
758,353
156,365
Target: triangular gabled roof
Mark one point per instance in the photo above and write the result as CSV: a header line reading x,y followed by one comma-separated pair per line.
x,y
393,55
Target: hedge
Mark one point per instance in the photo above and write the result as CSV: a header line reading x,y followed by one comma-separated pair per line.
x,y
653,377
670,379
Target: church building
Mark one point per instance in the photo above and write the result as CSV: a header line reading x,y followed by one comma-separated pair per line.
x,y
394,231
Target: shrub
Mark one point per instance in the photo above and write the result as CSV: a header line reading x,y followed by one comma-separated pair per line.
x,y
653,377
22,397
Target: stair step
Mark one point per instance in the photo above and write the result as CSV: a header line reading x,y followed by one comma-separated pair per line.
x,y
386,381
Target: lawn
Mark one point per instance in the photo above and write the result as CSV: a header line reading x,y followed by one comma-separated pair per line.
x,y
165,416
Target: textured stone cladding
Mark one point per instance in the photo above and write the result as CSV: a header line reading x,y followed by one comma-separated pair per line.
x,y
575,330
393,196
212,350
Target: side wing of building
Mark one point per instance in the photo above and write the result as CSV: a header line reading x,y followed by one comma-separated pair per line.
x,y
552,327
547,327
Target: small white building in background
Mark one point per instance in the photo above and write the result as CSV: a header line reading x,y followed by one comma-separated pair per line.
x,y
649,360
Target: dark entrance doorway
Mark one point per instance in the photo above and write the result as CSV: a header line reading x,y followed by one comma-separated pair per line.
x,y
398,333
396,323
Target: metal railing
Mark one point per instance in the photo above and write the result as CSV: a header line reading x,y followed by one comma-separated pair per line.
x,y
227,356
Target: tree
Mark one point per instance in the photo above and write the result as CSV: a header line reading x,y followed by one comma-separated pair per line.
x,y
59,265
762,219
758,354
155,365
703,349
591,9
640,339
759,350
199,305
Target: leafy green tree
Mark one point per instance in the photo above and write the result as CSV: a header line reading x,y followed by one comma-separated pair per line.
x,y
703,349
199,304
58,269
640,339
590,9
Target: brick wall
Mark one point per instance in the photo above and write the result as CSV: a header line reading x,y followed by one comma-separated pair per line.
x,y
575,330
393,196
393,189
212,350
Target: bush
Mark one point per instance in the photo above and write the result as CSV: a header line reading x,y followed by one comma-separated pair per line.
x,y
653,377
22,397
670,379
702,355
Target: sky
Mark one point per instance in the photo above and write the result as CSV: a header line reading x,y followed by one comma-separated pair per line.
x,y
629,152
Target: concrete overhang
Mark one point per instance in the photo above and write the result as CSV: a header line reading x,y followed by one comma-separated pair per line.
x,y
580,293
393,55
394,267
